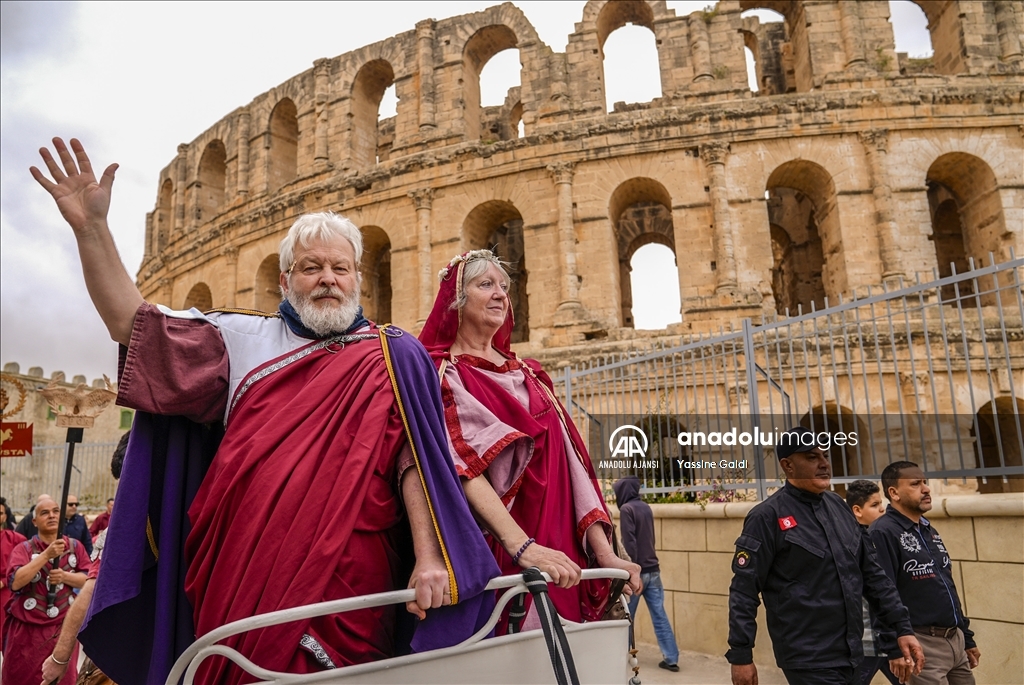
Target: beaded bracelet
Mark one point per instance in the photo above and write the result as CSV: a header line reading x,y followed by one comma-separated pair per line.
x,y
60,663
515,559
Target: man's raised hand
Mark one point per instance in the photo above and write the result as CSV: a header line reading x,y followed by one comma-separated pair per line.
x,y
82,201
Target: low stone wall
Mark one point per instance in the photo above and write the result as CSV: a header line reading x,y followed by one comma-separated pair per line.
x,y
983,533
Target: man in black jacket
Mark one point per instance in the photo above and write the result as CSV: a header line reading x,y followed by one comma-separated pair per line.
x,y
76,526
913,555
637,523
804,553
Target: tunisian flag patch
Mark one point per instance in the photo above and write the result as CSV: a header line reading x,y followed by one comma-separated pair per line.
x,y
787,522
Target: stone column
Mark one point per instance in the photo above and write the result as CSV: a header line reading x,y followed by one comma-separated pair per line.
x,y
243,153
148,249
714,155
850,29
875,144
230,253
321,81
179,189
165,292
569,295
425,59
1009,34
423,200
700,48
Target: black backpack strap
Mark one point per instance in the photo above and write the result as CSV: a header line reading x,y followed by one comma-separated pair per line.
x,y
554,636
516,614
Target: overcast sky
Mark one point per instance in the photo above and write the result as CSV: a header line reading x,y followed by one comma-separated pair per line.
x,y
133,80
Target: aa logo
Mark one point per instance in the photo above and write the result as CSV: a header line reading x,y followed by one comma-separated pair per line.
x,y
628,442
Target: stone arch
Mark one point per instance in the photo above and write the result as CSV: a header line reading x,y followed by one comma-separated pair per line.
x,y
372,79
802,203
945,26
640,210
376,272
200,297
283,162
497,225
999,442
164,217
795,47
211,181
971,184
267,286
847,460
481,47
751,44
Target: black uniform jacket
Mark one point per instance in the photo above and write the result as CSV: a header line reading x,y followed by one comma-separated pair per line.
x,y
806,555
915,558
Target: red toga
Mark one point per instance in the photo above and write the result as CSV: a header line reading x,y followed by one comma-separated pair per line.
x,y
8,540
31,634
505,423
301,503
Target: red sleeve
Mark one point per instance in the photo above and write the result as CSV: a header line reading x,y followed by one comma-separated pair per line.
x,y
174,367
83,563
19,557
94,572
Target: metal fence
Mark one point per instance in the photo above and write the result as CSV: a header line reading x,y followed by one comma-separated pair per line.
x,y
25,478
930,372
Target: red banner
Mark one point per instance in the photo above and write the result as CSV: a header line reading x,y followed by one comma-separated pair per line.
x,y
15,439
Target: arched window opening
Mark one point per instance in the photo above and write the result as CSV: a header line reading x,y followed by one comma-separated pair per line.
x,y
912,37
483,98
764,40
199,297
368,88
213,168
284,145
967,216
515,121
640,211
629,53
164,214
653,276
387,118
376,272
497,225
267,288
752,77
998,443
783,46
848,459
804,229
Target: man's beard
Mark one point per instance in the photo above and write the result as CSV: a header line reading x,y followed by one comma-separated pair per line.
x,y
325,319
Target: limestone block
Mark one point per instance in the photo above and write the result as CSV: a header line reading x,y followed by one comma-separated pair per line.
x,y
994,591
675,570
702,622
683,534
959,536
1002,652
999,539
722,534
710,572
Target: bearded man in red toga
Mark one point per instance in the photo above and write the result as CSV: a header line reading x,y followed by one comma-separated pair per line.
x,y
328,477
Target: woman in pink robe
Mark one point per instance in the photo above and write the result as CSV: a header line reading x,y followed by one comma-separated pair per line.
x,y
538,500
9,539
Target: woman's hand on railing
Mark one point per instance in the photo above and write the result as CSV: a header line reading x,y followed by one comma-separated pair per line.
x,y
563,571
610,560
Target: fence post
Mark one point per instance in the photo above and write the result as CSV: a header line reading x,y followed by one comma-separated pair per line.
x,y
755,406
568,389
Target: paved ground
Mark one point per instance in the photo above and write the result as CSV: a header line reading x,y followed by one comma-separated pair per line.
x,y
697,669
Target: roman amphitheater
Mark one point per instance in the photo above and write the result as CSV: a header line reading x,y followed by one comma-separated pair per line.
x,y
851,170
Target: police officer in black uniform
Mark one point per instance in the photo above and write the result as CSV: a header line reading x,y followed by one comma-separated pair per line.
x,y
803,551
913,555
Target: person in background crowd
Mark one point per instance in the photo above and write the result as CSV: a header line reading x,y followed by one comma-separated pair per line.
x,y
637,523
27,526
76,526
9,539
802,551
10,514
914,557
33,622
103,520
865,500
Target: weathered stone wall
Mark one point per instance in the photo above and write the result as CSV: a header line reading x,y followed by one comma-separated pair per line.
x,y
983,533
837,125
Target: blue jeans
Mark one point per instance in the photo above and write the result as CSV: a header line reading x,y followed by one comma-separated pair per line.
x,y
654,594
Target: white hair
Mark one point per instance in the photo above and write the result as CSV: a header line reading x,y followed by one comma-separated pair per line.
x,y
322,226
476,263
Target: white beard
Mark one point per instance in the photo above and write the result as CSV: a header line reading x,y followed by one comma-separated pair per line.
x,y
325,319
